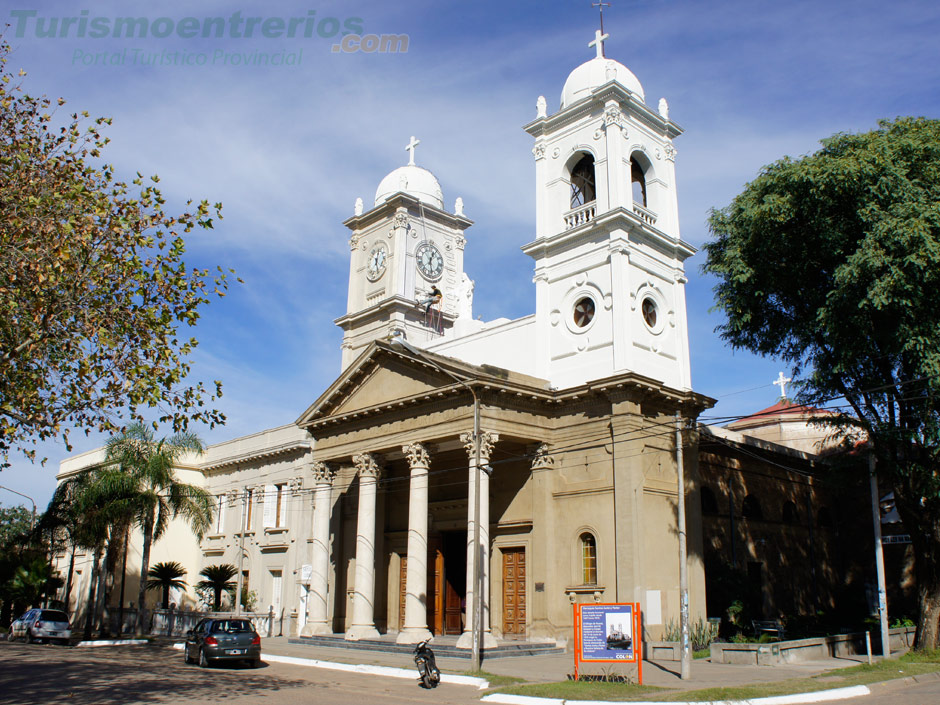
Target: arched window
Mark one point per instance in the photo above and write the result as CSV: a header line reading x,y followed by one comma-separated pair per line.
x,y
588,559
638,182
751,508
789,514
709,503
583,189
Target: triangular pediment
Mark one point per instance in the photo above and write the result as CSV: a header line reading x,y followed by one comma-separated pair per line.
x,y
378,377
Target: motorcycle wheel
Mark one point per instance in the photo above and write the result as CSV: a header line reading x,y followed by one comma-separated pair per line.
x,y
426,680
435,677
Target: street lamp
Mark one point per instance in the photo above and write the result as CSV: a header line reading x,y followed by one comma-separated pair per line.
x,y
476,630
32,522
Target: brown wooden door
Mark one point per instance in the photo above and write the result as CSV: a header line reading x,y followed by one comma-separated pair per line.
x,y
435,607
513,593
402,582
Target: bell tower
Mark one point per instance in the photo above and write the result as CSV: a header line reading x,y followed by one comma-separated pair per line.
x,y
401,248
609,259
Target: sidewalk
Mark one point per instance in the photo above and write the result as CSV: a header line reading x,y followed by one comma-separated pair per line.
x,y
556,667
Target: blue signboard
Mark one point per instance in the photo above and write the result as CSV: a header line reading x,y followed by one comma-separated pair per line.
x,y
606,632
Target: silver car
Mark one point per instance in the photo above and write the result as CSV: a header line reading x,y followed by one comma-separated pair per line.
x,y
42,625
226,639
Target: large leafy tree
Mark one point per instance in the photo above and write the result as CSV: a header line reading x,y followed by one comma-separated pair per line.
x,y
95,295
160,496
832,263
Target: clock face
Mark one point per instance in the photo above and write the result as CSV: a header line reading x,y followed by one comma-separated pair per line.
x,y
430,261
377,259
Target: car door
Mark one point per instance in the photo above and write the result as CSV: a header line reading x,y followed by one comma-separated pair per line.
x,y
193,638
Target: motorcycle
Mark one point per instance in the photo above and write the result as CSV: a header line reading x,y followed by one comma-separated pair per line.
x,y
427,667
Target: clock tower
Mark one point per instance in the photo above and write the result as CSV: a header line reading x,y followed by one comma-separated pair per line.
x,y
400,250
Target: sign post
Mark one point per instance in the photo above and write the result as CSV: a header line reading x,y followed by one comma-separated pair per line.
x,y
608,633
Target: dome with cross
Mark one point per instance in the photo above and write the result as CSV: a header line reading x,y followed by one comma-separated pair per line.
x,y
413,180
595,73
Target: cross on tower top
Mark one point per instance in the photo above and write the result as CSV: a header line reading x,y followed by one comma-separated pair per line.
x,y
599,43
781,382
600,6
411,150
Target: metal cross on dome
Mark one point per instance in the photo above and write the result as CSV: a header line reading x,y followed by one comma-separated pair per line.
x,y
781,382
411,150
599,35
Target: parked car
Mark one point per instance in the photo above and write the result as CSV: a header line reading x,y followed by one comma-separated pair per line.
x,y
223,639
42,625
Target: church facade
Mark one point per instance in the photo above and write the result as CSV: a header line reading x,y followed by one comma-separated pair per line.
x,y
538,454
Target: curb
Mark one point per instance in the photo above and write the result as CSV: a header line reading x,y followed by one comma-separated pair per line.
x,y
387,671
114,642
818,696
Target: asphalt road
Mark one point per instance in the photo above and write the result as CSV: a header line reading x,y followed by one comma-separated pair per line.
x,y
33,674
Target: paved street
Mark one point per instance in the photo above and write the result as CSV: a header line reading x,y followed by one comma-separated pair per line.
x,y
97,676
899,692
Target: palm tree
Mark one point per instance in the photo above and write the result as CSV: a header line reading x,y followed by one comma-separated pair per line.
x,y
160,497
164,576
218,578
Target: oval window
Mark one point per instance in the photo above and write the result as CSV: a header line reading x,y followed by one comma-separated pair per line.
x,y
650,314
584,311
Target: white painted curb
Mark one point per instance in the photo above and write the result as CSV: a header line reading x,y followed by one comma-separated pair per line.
x,y
388,671
819,696
114,642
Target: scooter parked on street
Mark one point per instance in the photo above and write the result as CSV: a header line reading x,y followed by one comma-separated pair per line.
x,y
427,667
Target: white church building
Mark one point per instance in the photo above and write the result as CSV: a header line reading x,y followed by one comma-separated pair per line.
x,y
362,519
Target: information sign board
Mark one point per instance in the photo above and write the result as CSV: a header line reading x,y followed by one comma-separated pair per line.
x,y
607,632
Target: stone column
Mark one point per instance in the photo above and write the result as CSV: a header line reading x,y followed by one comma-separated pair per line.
x,y
416,580
316,599
487,441
363,621
541,558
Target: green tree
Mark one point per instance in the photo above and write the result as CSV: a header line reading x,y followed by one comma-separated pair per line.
x,y
218,578
832,263
95,296
150,463
164,576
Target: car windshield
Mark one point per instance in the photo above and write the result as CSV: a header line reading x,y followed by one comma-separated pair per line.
x,y
53,616
232,626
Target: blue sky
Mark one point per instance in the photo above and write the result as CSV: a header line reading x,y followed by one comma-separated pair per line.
x,y
288,149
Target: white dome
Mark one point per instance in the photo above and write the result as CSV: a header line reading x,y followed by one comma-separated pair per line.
x,y
414,181
595,73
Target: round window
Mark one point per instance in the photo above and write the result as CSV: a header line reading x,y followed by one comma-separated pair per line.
x,y
650,313
584,312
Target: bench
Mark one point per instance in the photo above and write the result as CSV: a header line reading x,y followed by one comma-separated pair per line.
x,y
769,626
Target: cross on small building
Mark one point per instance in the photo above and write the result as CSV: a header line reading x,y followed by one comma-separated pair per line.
x,y
411,150
781,382
599,42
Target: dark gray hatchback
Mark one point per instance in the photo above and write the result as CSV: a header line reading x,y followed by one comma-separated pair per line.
x,y
224,639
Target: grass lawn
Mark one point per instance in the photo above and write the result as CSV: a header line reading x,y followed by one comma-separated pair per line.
x,y
908,665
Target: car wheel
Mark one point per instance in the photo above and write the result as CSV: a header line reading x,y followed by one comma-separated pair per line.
x,y
203,661
186,657
30,639
254,663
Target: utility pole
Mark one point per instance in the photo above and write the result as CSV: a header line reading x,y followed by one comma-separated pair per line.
x,y
685,645
241,553
879,557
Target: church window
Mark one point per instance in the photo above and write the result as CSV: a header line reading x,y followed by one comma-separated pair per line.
x,y
709,503
638,183
751,508
588,559
583,189
584,311
790,515
650,314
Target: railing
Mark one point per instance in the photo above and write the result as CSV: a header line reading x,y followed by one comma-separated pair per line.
x,y
174,622
580,215
645,214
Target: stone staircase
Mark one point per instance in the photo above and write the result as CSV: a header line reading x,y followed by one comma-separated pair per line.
x,y
444,647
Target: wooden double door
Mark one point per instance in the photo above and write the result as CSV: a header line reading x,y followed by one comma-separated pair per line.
x,y
514,591
446,583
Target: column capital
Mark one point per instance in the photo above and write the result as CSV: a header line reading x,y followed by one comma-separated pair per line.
x,y
323,473
367,464
542,458
487,441
417,455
